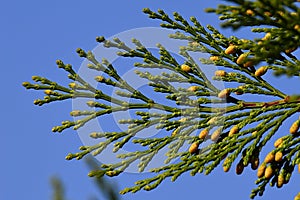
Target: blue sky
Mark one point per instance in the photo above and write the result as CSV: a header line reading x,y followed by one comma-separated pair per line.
x,y
36,33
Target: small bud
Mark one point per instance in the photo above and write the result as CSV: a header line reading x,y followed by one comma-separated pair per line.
x,y
254,133
203,134
91,103
239,90
69,156
111,173
254,163
268,172
261,71
278,156
94,135
249,12
295,127
220,73
270,157
267,14
214,58
297,27
233,131
267,36
193,88
239,168
35,78
186,68
194,147
175,132
280,180
297,197
212,120
75,113
216,134
81,52
278,142
184,119
48,92
147,188
299,168
241,58
231,49
261,170
26,84
72,85
100,39
99,78
224,93
83,148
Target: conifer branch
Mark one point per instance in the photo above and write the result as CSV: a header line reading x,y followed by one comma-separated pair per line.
x,y
238,129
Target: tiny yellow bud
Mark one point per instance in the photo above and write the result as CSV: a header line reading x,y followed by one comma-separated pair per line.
x,y
193,88
184,119
111,173
278,156
69,156
249,12
91,103
224,93
254,133
186,68
268,172
220,73
175,132
212,120
261,71
214,58
297,197
241,58
261,170
48,92
194,147
299,168
270,157
203,134
240,90
281,13
99,78
297,27
216,134
267,36
267,14
231,49
280,180
75,113
233,131
295,127
94,135
72,85
278,142
147,188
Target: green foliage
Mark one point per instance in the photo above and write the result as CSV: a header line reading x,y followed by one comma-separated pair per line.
x,y
58,190
239,128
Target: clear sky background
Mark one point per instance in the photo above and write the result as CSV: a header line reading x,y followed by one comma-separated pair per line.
x,y
36,33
